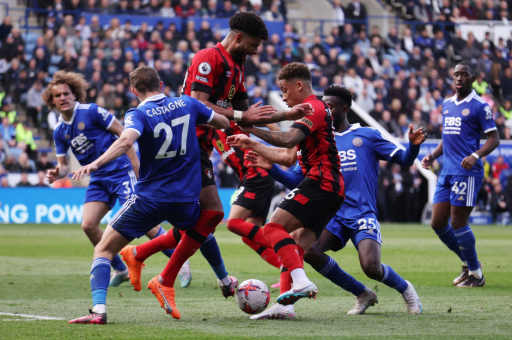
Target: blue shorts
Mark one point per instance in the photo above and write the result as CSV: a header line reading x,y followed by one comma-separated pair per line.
x,y
460,191
120,185
366,227
138,216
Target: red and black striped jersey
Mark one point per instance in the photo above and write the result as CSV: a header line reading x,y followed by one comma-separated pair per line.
x,y
234,157
317,153
213,71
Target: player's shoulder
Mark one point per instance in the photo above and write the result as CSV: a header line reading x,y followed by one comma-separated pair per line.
x,y
205,60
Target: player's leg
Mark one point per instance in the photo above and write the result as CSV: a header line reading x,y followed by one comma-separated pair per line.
x,y
267,254
158,231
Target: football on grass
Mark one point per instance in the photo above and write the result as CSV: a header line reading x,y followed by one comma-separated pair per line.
x,y
252,296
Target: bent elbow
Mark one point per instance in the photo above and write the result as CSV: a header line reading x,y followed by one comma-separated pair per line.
x,y
289,162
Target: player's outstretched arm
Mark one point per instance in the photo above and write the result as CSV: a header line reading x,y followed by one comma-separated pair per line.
x,y
288,179
429,159
117,129
493,141
118,148
416,138
60,171
286,139
219,122
283,156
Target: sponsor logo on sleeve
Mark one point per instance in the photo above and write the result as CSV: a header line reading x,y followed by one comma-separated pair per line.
x,y
204,68
103,112
203,79
208,172
488,112
128,121
307,122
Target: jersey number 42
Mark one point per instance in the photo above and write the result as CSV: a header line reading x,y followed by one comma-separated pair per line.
x,y
163,153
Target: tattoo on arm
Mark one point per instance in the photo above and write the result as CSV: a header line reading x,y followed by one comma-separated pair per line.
x,y
274,155
287,139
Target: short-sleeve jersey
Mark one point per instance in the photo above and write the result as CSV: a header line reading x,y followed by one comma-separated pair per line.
x,y
317,153
463,123
235,157
213,71
360,149
169,151
88,137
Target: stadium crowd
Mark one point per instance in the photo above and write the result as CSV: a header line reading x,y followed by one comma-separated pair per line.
x,y
399,78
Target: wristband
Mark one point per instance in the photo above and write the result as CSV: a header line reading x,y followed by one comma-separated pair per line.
x,y
475,155
237,116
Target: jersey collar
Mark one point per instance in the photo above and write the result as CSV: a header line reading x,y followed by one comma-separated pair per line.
x,y
467,99
152,99
351,128
224,52
69,122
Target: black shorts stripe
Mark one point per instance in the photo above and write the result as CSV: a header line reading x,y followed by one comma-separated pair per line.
x,y
283,243
196,236
253,232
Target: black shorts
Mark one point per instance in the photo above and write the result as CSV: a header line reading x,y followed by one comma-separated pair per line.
x,y
256,194
311,205
207,176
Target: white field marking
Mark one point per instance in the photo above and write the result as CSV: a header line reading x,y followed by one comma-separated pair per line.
x,y
34,317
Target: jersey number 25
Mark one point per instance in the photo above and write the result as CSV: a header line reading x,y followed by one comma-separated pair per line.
x,y
163,153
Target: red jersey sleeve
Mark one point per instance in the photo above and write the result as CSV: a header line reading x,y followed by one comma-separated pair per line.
x,y
310,124
203,71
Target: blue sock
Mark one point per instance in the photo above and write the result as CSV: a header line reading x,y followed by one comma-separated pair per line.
x,y
100,278
211,252
167,252
393,280
118,264
447,235
466,240
333,272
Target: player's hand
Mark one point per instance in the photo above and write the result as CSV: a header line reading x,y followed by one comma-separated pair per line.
x,y
84,170
300,111
52,175
468,162
257,161
417,137
256,113
427,161
239,141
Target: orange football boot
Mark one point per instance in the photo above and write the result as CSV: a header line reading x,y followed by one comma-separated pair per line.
x,y
165,296
134,267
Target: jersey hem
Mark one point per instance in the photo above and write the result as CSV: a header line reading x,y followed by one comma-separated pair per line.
x,y
211,117
490,129
133,130
200,87
111,122
302,127
61,154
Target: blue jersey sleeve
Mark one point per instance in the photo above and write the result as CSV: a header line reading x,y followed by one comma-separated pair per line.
x,y
388,151
288,179
134,121
60,145
204,113
101,116
484,115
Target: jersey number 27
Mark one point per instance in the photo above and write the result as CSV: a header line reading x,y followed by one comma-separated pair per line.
x,y
163,153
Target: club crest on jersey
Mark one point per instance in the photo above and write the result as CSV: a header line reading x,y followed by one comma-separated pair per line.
x,y
357,141
204,68
488,113
81,126
209,173
465,112
307,122
220,146
231,92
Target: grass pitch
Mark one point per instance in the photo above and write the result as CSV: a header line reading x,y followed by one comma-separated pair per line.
x,y
44,271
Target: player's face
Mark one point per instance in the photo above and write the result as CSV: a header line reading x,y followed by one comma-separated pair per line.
x,y
463,78
63,98
291,92
338,110
247,46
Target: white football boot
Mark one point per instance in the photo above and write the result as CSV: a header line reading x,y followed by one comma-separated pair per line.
x,y
276,312
367,299
412,300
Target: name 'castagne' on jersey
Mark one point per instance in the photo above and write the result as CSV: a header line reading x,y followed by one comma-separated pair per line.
x,y
169,150
463,123
88,137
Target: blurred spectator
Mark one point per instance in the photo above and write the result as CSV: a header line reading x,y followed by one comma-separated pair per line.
x,y
35,102
498,167
5,28
43,164
500,202
63,183
24,181
356,11
42,180
390,125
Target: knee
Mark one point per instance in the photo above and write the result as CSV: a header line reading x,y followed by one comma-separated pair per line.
x,y
437,225
311,255
89,227
233,224
373,269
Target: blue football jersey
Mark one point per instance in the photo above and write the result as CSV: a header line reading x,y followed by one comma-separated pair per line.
x,y
463,123
360,149
88,137
170,169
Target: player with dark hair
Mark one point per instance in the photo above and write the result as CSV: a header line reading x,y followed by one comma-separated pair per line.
x,y
307,209
360,149
465,116
168,188
89,131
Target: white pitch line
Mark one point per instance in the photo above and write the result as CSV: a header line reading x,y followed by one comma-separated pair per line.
x,y
37,317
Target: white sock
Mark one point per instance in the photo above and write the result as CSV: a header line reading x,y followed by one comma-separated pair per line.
x,y
100,309
226,281
476,273
465,263
299,276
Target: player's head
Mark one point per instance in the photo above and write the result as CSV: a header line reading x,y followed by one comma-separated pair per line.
x,y
64,89
339,100
295,82
145,80
247,31
463,77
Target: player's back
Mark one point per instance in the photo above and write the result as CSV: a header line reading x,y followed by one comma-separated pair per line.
x,y
463,123
88,137
360,149
169,151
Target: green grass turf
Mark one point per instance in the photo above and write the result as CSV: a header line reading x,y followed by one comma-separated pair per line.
x,y
44,270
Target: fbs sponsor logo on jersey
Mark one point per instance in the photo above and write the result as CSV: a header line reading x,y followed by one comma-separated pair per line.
x,y
203,79
81,144
452,125
204,68
208,172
